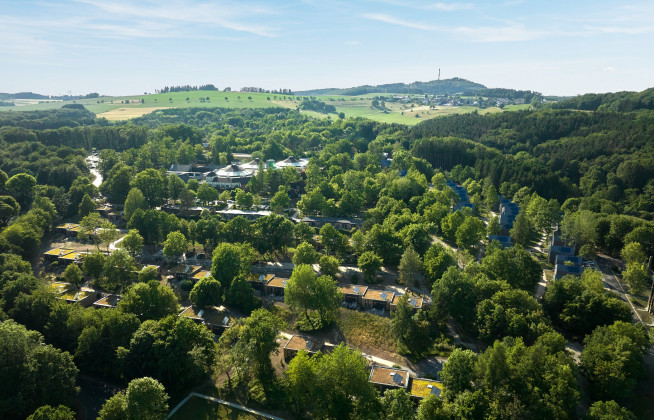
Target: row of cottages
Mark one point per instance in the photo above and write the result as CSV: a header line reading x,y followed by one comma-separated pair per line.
x,y
268,284
385,378
338,222
462,193
382,377
563,257
111,213
185,272
508,212
69,294
354,296
383,300
64,256
216,319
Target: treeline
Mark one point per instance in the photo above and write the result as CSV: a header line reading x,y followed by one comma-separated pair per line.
x,y
527,95
602,157
434,87
618,101
186,88
316,105
32,95
71,115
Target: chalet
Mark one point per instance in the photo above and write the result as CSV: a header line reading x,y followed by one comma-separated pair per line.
x,y
414,301
337,222
73,257
569,259
560,250
377,299
107,302
201,274
81,297
60,288
298,342
275,286
508,212
217,319
68,229
421,388
504,241
352,294
115,217
55,253
258,282
104,210
389,378
561,270
184,272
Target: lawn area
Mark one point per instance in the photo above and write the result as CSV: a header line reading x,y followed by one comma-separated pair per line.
x,y
366,331
201,409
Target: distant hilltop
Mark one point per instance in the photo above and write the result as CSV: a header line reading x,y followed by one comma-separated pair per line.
x,y
452,86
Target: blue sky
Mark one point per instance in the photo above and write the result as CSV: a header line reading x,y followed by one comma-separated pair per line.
x,y
135,46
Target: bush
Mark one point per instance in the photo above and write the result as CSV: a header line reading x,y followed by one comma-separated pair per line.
x,y
186,285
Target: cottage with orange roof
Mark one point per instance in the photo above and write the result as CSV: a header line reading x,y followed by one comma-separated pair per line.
x,y
276,286
298,342
389,378
259,281
377,299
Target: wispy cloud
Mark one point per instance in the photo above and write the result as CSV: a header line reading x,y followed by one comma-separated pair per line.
x,y
231,16
623,30
444,7
508,32
450,7
399,22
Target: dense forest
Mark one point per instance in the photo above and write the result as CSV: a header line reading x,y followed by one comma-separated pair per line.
x,y
591,174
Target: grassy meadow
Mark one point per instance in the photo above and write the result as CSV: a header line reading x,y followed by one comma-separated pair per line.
x,y
116,108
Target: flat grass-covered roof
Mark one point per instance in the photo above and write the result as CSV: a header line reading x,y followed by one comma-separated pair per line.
x,y
422,388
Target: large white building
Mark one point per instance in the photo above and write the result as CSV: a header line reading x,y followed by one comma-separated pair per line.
x,y
231,176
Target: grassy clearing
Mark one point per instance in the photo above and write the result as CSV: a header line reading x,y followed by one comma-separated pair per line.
x,y
126,107
202,409
121,114
366,331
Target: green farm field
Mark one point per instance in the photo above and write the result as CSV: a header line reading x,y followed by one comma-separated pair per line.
x,y
115,108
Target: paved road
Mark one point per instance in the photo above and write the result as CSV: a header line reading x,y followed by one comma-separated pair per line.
x,y
219,401
540,287
604,263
